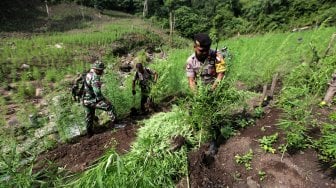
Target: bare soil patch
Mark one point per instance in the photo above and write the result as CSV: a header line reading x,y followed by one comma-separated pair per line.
x,y
82,152
301,169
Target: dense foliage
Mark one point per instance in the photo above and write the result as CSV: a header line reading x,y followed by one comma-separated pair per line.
x,y
221,17
229,17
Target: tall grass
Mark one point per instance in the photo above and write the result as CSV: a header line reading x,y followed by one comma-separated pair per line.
x,y
255,59
67,124
150,163
16,172
58,49
172,77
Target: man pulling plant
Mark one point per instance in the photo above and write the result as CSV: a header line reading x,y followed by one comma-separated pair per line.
x,y
207,65
144,76
93,98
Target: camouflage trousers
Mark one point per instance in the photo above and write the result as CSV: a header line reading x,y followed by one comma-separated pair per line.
x,y
90,110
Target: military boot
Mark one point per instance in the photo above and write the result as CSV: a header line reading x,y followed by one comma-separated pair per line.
x,y
112,118
213,148
90,132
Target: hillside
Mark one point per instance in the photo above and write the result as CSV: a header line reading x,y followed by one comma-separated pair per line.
x,y
282,136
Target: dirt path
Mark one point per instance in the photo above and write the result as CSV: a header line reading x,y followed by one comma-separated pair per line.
x,y
83,151
298,170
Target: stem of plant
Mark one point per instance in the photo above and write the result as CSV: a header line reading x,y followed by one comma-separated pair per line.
x,y
284,152
199,142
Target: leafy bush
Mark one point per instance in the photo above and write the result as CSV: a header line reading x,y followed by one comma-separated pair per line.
x,y
245,159
66,123
266,142
172,80
120,94
189,22
212,110
16,172
3,110
327,144
296,117
25,90
149,163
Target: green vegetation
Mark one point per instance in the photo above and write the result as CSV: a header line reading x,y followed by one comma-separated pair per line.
x,y
266,142
262,175
326,144
245,159
299,58
227,18
16,171
149,163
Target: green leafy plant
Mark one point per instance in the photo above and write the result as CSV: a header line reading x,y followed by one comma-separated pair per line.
x,y
245,122
227,131
262,175
332,116
16,173
327,144
263,129
282,148
245,159
25,90
149,163
266,142
207,112
3,110
258,112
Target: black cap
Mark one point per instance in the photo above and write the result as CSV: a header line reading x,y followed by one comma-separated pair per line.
x,y
203,40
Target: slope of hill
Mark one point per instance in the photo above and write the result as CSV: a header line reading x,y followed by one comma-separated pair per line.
x,y
262,133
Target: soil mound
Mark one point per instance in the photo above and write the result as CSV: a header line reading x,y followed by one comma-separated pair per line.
x,y
82,152
301,169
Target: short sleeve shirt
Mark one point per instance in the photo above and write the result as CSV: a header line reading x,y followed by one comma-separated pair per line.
x,y
144,78
207,70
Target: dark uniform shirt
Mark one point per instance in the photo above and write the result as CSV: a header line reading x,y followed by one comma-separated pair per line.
x,y
144,78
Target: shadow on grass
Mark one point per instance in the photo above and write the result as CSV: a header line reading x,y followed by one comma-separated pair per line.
x,y
30,17
69,23
45,25
116,14
21,16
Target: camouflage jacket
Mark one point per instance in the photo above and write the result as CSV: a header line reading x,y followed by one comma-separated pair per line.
x,y
92,89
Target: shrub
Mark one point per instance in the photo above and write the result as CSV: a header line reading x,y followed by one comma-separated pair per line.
x,y
327,144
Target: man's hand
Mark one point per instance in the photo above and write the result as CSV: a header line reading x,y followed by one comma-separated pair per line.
x,y
133,92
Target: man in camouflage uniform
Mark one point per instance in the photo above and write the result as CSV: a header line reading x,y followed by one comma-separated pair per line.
x,y
93,98
209,66
144,76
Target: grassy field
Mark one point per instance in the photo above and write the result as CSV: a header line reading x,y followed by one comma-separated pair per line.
x,y
253,60
298,58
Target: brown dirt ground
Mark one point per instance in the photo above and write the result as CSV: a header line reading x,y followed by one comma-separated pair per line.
x,y
301,169
82,152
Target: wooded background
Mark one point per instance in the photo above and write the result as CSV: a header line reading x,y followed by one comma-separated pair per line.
x,y
222,18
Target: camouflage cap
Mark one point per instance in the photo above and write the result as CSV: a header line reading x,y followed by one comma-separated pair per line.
x,y
98,65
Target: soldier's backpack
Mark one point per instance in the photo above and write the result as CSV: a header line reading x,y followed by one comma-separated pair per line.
x,y
78,86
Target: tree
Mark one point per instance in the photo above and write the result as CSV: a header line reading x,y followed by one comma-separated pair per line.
x,y
145,8
188,22
172,5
